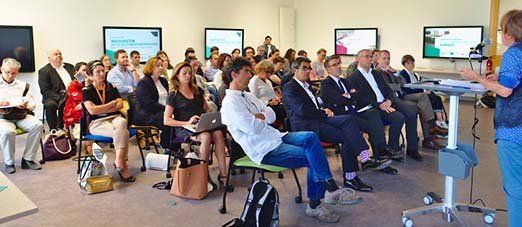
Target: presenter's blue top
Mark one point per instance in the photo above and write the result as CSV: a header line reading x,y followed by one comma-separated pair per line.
x,y
510,109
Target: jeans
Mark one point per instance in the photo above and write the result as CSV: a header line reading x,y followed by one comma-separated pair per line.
x,y
303,149
510,162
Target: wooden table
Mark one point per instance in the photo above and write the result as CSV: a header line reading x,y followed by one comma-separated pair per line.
x,y
13,202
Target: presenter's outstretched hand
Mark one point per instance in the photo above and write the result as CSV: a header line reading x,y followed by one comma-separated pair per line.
x,y
469,74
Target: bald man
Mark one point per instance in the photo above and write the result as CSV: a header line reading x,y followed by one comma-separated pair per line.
x,y
53,79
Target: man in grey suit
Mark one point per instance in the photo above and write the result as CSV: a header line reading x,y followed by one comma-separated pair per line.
x,y
53,80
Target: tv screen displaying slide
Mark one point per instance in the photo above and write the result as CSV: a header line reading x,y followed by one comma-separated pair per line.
x,y
225,39
147,41
450,42
17,42
348,41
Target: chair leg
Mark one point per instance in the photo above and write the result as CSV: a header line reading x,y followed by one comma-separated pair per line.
x,y
42,150
223,208
299,197
154,143
143,168
79,156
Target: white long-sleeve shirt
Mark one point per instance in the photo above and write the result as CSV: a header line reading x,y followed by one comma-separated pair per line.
x,y
263,90
255,136
13,93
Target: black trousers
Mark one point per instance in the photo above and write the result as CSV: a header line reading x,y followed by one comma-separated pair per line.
x,y
410,112
54,113
370,122
343,129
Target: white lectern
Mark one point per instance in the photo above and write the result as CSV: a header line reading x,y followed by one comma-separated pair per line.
x,y
448,207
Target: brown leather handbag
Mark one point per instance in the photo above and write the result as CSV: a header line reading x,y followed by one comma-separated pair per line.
x,y
190,181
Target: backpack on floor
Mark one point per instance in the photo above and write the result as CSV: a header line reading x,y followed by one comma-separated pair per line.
x,y
261,207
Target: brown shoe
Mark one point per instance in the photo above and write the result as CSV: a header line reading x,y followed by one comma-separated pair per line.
x,y
436,130
431,144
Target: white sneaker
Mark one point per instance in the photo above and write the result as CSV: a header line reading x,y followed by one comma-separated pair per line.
x,y
322,213
442,124
342,196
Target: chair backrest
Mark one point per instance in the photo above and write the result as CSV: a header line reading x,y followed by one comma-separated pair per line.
x,y
235,150
84,121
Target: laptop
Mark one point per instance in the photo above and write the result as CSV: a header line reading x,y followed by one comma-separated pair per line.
x,y
207,122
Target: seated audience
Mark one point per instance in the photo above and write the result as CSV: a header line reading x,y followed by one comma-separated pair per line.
x,y
135,64
261,87
72,112
151,98
107,64
210,92
103,102
304,112
17,93
261,54
337,93
191,53
274,53
278,70
185,104
318,70
167,67
302,53
223,59
421,100
235,53
121,75
248,119
210,71
375,58
289,58
248,52
374,92
411,77
213,51
53,78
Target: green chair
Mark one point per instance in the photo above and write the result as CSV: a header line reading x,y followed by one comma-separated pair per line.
x,y
238,159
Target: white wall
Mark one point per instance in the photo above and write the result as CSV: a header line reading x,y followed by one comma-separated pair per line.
x,y
400,24
75,26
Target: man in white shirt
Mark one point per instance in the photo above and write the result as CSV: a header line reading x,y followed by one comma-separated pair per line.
x,y
135,66
16,94
248,119
53,79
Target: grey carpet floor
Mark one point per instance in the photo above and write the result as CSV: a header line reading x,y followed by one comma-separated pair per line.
x,y
60,202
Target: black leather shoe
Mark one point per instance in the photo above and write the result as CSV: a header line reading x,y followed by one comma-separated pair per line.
x,y
415,155
357,184
431,144
10,169
30,165
394,155
373,163
390,170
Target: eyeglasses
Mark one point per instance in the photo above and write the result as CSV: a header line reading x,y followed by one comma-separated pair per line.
x,y
335,65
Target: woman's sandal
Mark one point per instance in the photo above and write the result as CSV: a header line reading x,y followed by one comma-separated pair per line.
x,y
229,188
120,173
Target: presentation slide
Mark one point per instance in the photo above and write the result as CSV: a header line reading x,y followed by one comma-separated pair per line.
x,y
147,41
350,41
225,39
451,42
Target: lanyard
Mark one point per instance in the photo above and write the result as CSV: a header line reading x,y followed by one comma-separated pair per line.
x,y
102,95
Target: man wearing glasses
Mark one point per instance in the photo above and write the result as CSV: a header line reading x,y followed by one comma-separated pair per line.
x,y
305,113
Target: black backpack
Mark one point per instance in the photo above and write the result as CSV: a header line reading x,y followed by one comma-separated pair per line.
x,y
261,207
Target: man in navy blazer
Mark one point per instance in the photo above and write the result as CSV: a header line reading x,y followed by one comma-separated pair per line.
x,y
305,114
374,92
337,93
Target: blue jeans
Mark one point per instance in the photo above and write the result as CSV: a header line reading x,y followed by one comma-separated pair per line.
x,y
303,149
510,162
